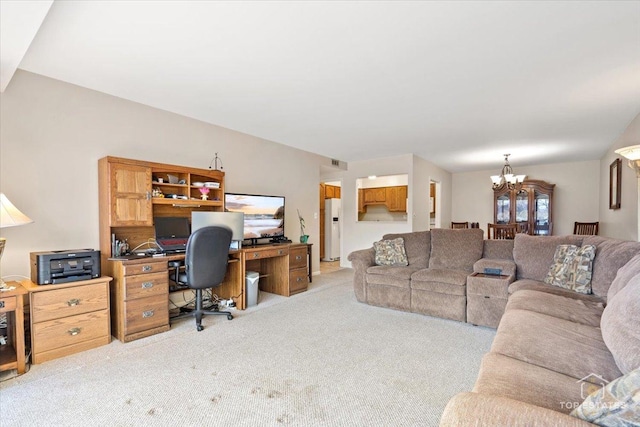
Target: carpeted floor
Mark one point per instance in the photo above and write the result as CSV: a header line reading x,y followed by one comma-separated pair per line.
x,y
319,358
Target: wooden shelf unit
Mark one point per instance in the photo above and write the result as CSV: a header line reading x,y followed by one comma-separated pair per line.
x,y
12,354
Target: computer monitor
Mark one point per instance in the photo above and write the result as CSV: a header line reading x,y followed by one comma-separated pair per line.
x,y
233,220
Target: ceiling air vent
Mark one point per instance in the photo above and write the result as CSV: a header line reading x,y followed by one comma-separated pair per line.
x,y
335,162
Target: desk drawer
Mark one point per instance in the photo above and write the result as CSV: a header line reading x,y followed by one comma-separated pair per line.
x,y
298,280
70,331
144,268
7,304
268,253
146,313
58,303
146,285
298,257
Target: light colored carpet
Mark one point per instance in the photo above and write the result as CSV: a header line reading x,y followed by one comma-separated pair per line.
x,y
319,358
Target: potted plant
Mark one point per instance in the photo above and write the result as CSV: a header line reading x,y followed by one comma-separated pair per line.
x,y
303,237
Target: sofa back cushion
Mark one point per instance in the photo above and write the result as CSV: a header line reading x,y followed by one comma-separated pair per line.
x,y
417,245
456,249
534,254
625,273
620,324
498,249
611,254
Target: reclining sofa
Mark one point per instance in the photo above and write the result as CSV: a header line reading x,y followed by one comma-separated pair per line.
x,y
559,357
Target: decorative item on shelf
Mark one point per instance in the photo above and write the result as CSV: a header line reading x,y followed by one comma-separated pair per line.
x,y
507,177
204,191
10,216
215,160
156,192
632,154
303,237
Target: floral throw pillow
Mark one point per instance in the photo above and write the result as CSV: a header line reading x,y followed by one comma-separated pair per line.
x,y
572,267
390,252
616,404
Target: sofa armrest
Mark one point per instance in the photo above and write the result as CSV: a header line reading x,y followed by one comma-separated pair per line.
x,y
508,267
360,261
475,409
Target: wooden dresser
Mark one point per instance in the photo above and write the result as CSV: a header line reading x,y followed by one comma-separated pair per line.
x,y
68,318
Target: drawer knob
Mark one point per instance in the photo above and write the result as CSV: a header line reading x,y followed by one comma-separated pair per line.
x,y
280,252
74,331
299,279
1,304
147,285
73,302
298,257
147,313
146,268
256,255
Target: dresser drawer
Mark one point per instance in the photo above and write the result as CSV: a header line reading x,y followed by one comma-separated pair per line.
x,y
58,303
268,253
298,280
298,258
146,285
70,331
146,313
8,304
144,268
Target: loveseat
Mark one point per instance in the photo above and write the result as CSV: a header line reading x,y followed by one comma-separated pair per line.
x,y
554,347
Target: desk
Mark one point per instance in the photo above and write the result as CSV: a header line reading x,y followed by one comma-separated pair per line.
x,y
12,354
140,289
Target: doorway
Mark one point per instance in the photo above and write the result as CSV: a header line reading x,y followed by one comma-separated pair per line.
x,y
435,212
330,219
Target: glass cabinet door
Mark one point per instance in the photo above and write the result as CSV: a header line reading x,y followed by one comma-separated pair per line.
x,y
541,213
503,209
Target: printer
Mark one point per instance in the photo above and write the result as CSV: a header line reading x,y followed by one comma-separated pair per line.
x,y
49,268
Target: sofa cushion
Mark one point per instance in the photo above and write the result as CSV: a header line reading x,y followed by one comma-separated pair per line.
x,y
389,275
498,249
571,268
616,404
621,326
417,245
560,345
576,310
442,281
625,273
611,254
534,254
536,285
504,376
390,252
456,249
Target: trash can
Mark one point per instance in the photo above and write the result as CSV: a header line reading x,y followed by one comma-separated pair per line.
x,y
252,287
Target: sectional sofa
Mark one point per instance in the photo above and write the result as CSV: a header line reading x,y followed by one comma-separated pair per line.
x,y
554,348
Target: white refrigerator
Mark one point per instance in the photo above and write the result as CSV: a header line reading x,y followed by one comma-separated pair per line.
x,y
331,229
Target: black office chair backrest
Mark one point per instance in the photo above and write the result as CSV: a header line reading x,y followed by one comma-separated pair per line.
x,y
206,256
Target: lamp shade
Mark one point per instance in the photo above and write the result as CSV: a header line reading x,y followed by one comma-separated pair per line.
x,y
10,216
632,152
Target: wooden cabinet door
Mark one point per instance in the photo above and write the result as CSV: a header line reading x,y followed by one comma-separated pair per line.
x,y
130,195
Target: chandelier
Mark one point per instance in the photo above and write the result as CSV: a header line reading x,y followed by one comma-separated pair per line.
x,y
507,177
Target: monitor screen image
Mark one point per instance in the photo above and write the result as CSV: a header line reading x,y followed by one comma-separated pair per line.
x,y
263,215
232,220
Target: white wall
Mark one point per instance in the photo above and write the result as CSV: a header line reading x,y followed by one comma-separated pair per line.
x,y
621,223
53,134
576,195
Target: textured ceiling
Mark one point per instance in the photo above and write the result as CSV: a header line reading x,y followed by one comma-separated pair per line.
x,y
457,83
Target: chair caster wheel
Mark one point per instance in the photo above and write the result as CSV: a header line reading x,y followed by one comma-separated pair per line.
x,y
199,328
229,317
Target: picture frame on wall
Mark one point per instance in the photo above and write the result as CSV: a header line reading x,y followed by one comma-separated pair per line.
x,y
615,175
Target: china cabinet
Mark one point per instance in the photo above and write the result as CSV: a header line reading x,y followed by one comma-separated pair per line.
x,y
531,206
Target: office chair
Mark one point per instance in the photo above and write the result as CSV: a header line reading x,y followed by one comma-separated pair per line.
x,y
586,228
206,258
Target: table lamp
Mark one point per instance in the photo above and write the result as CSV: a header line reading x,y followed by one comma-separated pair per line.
x,y
10,216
